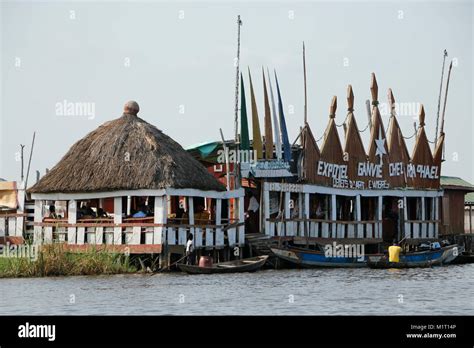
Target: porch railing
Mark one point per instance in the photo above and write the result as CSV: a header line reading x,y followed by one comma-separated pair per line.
x,y
421,229
12,225
138,231
318,228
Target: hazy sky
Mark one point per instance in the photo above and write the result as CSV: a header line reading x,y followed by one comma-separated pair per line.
x,y
177,61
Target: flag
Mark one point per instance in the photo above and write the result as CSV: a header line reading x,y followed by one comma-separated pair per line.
x,y
276,129
257,136
268,122
284,132
244,128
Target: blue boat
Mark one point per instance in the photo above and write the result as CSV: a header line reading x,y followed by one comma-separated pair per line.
x,y
313,258
426,258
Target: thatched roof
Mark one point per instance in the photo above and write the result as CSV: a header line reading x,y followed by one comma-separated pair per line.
x,y
127,153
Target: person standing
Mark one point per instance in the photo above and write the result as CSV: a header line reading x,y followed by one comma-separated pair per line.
x,y
190,250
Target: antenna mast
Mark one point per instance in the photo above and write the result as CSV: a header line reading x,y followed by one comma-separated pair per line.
x,y
441,130
237,63
305,92
445,54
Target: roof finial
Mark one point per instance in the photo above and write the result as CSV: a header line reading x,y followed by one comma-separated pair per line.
x,y
131,108
350,99
422,116
374,89
333,107
391,102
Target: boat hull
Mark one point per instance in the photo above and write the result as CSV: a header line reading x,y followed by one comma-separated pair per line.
x,y
421,259
316,259
245,265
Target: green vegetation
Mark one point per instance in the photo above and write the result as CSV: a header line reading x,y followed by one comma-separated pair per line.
x,y
53,260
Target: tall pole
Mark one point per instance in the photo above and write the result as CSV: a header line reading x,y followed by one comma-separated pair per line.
x,y
441,129
226,152
29,161
305,90
445,54
21,158
237,64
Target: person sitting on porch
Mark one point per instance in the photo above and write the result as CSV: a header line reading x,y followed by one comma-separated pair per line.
x,y
52,212
140,213
201,215
190,250
394,253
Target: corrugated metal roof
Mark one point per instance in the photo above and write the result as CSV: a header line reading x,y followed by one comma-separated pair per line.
x,y
454,182
469,198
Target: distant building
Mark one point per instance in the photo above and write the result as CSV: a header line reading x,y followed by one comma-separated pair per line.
x,y
456,206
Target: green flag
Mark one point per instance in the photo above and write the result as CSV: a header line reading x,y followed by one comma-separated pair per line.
x,y
244,127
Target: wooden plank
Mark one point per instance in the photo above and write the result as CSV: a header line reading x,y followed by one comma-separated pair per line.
x,y
48,235
272,229
424,230
209,237
219,238
80,235
325,229
117,220
136,235
407,230
171,236
369,230
3,226
109,235
99,235
198,237
71,219
19,226
312,229
149,234
340,230
416,230
333,215
350,231
182,236
306,213
90,235
38,230
231,236
160,217
12,226
241,229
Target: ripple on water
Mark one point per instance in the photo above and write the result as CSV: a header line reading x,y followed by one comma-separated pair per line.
x,y
285,292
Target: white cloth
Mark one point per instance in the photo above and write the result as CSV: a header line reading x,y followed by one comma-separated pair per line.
x,y
253,204
189,246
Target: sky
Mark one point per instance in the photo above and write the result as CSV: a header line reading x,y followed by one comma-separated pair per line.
x,y
176,59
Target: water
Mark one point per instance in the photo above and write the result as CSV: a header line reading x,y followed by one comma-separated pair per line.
x,y
436,291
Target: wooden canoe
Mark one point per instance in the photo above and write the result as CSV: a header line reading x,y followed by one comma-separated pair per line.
x,y
420,259
245,265
314,259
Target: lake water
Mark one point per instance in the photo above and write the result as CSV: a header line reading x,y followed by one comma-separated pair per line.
x,y
437,291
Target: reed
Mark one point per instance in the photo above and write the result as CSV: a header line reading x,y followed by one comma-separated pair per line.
x,y
53,260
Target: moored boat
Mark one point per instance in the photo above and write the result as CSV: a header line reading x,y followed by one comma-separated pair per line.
x,y
312,258
419,259
237,266
463,258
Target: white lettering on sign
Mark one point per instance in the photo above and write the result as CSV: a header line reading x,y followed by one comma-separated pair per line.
x,y
331,170
378,184
395,169
422,171
369,169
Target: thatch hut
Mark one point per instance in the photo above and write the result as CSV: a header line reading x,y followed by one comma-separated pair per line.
x,y
129,183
